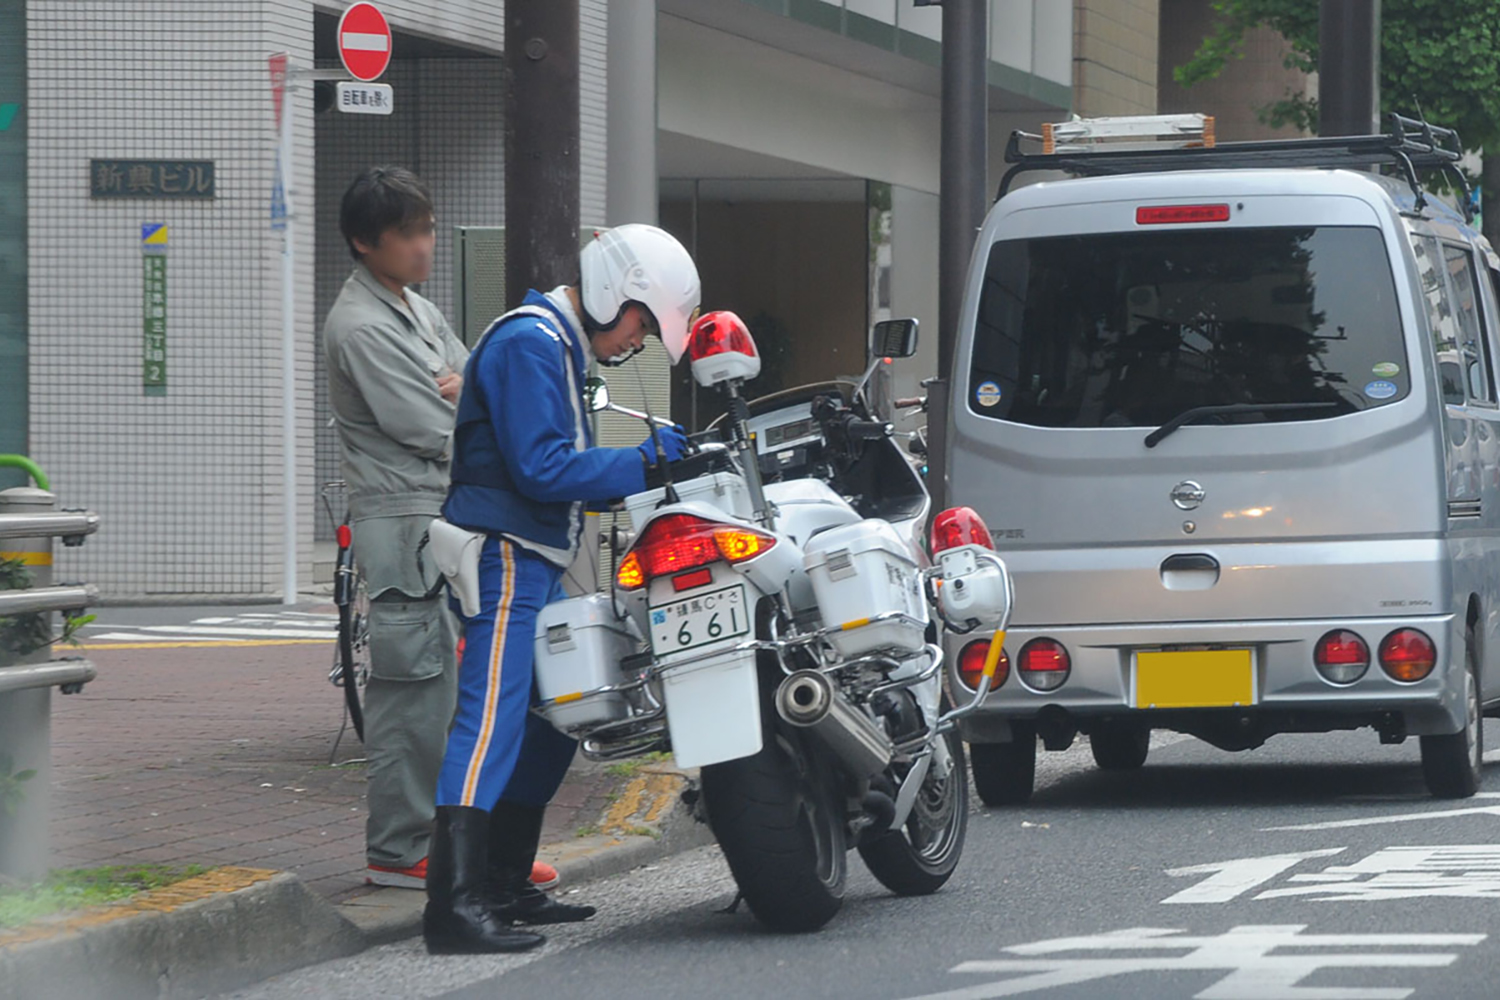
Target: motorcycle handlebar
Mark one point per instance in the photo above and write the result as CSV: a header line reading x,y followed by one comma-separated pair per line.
x,y
910,402
868,430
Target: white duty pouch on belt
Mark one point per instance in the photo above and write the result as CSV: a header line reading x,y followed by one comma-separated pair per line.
x,y
456,550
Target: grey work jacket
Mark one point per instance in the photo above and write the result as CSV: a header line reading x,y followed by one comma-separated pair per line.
x,y
395,429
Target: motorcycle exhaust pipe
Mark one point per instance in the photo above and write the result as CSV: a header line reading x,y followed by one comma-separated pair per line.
x,y
808,700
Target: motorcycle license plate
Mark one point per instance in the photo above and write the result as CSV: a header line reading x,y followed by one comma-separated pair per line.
x,y
699,620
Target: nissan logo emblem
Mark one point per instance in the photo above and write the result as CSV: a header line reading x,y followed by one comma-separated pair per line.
x,y
1187,495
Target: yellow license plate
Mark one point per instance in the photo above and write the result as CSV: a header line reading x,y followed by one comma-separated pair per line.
x,y
1203,678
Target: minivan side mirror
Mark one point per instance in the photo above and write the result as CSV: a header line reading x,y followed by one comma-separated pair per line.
x,y
894,338
596,394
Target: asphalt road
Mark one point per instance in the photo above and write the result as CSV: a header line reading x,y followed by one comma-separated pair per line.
x,y
1180,880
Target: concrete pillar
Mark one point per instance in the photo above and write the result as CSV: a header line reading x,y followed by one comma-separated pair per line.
x,y
631,181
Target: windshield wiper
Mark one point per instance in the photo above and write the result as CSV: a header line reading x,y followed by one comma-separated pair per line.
x,y
1190,415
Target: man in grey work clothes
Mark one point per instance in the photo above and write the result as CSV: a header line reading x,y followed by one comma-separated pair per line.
x,y
393,383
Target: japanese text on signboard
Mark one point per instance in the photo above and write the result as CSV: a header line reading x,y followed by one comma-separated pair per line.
x,y
151,178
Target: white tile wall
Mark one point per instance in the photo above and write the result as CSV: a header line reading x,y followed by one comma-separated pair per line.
x,y
188,485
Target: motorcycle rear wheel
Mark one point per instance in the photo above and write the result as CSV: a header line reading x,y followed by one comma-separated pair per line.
x,y
918,859
779,823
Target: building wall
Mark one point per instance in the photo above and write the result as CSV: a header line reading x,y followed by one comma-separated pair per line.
x,y
1114,57
188,484
1246,85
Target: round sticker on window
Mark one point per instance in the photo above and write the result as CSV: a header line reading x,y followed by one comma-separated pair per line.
x,y
1387,369
988,394
1381,390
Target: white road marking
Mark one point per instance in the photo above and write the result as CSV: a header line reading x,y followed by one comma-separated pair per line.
x,y
1244,954
235,628
1345,824
1231,879
254,633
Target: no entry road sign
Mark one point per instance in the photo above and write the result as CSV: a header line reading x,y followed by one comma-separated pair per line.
x,y
364,40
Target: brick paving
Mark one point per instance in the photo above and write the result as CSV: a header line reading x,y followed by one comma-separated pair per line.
x,y
221,757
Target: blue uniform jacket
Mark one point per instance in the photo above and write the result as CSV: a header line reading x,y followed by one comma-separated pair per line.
x,y
522,461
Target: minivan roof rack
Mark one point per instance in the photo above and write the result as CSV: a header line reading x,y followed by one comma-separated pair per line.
x,y
1409,145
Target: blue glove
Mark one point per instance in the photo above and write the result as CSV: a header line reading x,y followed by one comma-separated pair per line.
x,y
674,445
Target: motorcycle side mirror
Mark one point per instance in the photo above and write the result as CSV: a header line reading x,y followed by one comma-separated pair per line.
x,y
596,394
894,338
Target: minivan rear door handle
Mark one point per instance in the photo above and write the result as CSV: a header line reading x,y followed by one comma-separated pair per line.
x,y
1189,571
1188,562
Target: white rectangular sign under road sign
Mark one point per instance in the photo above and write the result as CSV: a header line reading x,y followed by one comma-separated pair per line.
x,y
365,98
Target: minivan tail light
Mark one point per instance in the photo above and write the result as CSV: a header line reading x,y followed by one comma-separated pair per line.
x,y
1044,664
1407,654
1159,215
681,542
959,526
971,665
1341,656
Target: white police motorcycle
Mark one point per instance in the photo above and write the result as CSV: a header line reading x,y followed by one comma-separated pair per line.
x,y
769,623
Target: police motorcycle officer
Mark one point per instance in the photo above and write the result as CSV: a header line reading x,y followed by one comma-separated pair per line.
x,y
524,468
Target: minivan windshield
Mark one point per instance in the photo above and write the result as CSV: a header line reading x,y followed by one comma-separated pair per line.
x,y
1133,329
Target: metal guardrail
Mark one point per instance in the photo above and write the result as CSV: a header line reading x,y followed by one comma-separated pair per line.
x,y
70,675
69,525
72,597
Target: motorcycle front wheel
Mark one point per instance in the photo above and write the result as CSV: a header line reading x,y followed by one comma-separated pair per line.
x,y
779,823
920,857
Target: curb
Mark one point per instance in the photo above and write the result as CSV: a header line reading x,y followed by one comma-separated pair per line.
x,y
228,928
235,927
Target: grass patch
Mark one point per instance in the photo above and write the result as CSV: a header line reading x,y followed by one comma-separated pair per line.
x,y
77,888
631,768
587,830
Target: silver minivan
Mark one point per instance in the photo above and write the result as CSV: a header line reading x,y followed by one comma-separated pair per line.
x,y
1233,424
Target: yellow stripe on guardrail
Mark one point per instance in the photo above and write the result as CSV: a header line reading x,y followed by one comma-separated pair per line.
x,y
29,558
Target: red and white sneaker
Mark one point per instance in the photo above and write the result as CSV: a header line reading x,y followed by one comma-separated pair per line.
x,y
544,876
414,877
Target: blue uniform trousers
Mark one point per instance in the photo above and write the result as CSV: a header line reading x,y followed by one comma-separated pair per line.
x,y
497,748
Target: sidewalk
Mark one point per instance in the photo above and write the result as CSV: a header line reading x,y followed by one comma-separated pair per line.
x,y
220,756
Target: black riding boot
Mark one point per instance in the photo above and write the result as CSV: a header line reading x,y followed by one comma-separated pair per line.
x,y
461,917
515,834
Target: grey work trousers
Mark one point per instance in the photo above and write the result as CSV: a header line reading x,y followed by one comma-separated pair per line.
x,y
412,689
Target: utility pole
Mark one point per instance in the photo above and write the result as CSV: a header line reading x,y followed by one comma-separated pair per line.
x,y
962,200
1349,67
541,145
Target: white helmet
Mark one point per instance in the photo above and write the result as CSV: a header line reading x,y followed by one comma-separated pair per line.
x,y
644,264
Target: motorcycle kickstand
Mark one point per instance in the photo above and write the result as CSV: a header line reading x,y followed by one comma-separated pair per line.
x,y
734,904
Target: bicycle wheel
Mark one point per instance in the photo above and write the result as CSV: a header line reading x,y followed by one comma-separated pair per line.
x,y
353,655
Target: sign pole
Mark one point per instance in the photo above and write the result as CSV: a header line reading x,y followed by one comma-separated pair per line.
x,y
285,166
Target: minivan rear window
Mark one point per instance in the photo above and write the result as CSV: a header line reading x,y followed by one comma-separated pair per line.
x,y
1133,329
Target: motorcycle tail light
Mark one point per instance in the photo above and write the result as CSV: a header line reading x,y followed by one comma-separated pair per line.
x,y
971,665
959,526
680,542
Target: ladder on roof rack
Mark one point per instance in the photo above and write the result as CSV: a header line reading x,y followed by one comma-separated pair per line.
x,y
1410,144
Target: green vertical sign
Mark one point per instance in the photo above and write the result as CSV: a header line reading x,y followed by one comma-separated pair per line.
x,y
154,317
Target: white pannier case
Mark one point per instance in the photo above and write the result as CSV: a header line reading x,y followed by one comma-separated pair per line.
x,y
859,572
579,645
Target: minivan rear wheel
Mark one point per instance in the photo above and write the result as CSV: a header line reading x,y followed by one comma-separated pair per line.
x,y
1454,764
1005,773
